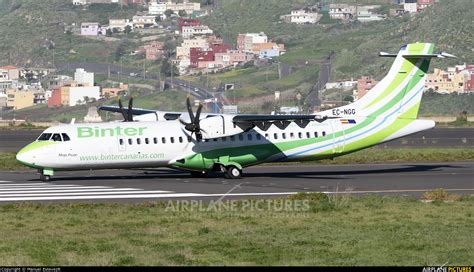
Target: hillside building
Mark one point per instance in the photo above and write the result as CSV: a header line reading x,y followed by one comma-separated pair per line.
x,y
342,11
17,99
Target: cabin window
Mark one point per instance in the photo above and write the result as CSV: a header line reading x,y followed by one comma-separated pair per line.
x,y
324,133
215,139
283,135
155,140
206,140
130,142
266,135
275,136
232,138
241,137
56,137
172,140
190,139
224,139
259,137
65,137
249,137
121,141
316,134
147,141
139,141
300,135
44,136
163,140
292,135
180,139
308,135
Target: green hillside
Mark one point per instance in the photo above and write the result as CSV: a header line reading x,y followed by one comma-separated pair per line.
x,y
33,31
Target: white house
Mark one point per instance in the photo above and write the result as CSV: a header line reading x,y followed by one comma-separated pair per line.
x,y
143,21
77,94
302,16
190,31
84,78
119,24
341,11
410,6
156,8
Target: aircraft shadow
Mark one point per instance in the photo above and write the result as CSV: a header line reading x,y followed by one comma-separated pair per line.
x,y
149,174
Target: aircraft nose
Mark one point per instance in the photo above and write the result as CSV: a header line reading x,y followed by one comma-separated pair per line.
x,y
23,157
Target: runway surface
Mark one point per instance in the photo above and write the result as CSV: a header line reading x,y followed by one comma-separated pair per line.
x,y
259,182
14,140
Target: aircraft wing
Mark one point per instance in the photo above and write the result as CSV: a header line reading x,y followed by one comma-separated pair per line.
x,y
135,111
282,121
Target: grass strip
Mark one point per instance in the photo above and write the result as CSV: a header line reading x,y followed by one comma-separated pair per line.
x,y
328,230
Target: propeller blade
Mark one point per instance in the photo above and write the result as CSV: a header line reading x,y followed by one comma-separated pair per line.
x,y
190,109
122,110
198,113
130,107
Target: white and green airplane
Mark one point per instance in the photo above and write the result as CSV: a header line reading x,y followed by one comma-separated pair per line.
x,y
200,143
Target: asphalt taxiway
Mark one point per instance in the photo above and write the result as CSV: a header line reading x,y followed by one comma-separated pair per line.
x,y
140,185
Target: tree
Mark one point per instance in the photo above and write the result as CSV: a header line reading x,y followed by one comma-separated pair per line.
x,y
127,29
168,13
168,69
108,33
349,98
121,48
157,19
169,47
182,13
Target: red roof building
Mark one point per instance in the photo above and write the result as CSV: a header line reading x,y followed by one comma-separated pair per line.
x,y
219,48
55,99
469,84
187,22
197,55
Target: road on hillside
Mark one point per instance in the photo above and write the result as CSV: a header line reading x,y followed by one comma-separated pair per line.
x,y
313,99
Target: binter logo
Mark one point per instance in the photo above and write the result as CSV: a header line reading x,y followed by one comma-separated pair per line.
x,y
88,132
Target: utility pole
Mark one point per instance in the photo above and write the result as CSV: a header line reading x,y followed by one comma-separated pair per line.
x,y
144,68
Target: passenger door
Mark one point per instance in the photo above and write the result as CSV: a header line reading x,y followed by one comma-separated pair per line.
x,y
339,137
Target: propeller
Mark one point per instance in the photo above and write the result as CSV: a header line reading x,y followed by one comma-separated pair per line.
x,y
193,125
127,116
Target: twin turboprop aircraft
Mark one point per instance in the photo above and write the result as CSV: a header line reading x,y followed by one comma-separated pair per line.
x,y
202,142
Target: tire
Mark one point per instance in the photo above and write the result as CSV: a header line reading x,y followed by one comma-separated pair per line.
x,y
45,178
198,174
233,172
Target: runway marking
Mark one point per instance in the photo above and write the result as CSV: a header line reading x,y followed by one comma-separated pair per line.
x,y
72,190
395,191
89,193
57,187
33,186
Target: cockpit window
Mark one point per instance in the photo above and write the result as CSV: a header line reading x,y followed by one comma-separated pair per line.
x,y
56,137
44,136
65,137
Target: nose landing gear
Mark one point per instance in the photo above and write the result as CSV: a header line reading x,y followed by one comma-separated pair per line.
x,y
46,175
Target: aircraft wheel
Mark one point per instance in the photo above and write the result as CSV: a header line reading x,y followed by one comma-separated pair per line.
x,y
45,178
233,172
198,174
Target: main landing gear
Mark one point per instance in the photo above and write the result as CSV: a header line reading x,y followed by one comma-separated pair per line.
x,y
232,172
